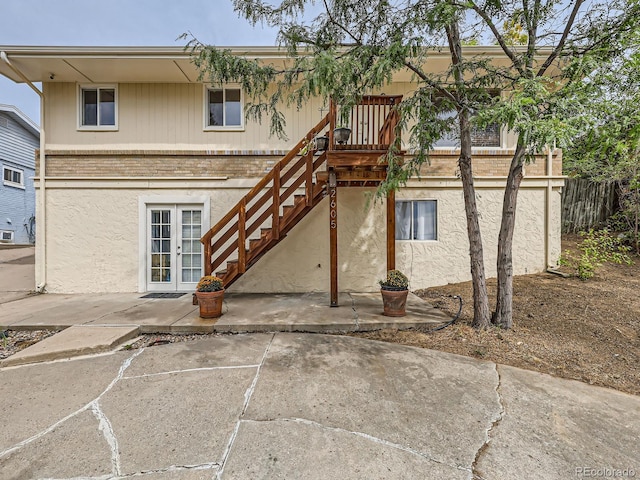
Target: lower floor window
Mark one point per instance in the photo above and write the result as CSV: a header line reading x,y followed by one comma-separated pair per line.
x,y
12,177
416,220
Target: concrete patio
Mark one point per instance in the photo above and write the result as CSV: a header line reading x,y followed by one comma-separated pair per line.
x,y
295,405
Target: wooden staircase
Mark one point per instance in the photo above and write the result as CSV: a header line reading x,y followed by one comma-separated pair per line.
x,y
264,216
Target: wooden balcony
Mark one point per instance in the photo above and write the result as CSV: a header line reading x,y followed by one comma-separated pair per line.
x,y
373,130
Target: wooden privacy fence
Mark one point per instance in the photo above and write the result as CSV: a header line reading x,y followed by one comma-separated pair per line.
x,y
587,204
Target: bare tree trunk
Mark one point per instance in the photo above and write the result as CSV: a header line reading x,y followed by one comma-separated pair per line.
x,y
503,316
481,317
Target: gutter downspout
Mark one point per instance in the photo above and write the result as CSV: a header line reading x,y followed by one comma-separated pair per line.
x,y
549,198
41,231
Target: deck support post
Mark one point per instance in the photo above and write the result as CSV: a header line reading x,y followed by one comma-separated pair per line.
x,y
333,236
391,230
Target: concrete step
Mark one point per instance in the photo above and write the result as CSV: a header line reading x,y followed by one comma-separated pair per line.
x,y
72,342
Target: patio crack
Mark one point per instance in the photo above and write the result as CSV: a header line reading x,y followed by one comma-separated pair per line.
x,y
366,436
189,370
488,434
93,405
170,469
356,318
247,398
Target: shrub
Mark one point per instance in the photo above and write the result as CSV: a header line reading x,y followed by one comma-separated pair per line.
x,y
396,280
598,247
209,283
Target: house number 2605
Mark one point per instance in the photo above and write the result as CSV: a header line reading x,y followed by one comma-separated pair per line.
x,y
333,213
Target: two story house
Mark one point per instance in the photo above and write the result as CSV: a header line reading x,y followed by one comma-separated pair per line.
x,y
19,139
149,178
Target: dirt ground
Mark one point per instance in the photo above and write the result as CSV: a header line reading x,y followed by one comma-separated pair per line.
x,y
582,330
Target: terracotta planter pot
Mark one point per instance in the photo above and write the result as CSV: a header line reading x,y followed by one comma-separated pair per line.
x,y
210,303
394,302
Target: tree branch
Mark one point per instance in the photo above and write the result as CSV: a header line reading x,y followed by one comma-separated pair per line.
x,y
563,39
517,63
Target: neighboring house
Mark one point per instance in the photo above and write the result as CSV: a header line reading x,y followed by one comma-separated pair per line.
x,y
142,159
19,139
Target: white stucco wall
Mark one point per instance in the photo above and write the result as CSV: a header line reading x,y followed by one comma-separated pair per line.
x,y
93,236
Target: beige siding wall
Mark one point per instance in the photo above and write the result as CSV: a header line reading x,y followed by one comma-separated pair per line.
x,y
161,116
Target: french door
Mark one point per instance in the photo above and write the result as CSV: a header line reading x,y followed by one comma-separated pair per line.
x,y
174,252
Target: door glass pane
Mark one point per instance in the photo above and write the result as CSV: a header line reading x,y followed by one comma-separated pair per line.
x,y
191,269
160,246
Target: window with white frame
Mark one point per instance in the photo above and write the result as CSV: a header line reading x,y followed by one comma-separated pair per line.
x,y
6,236
13,177
488,136
98,107
416,220
223,108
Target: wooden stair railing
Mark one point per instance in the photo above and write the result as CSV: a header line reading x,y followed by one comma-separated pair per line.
x,y
270,200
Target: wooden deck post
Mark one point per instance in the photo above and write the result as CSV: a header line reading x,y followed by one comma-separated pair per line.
x,y
391,230
333,236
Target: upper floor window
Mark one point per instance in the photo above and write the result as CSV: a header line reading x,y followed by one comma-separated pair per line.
x,y
13,177
416,220
488,136
223,108
98,107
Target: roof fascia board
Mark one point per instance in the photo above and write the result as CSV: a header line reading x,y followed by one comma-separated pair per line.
x,y
15,113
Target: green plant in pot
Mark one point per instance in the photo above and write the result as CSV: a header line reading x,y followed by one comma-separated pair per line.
x,y
394,290
210,294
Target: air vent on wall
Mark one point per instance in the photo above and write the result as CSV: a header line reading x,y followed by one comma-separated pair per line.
x,y
4,122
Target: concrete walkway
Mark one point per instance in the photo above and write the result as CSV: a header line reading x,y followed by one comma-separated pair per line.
x,y
294,406
95,323
17,265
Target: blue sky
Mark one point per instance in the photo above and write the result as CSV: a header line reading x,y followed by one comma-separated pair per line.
x,y
116,22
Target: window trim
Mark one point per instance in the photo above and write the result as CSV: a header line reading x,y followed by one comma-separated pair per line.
x,y
501,134
205,109
11,235
98,87
437,225
10,183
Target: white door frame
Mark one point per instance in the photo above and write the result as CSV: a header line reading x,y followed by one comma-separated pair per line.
x,y
164,200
